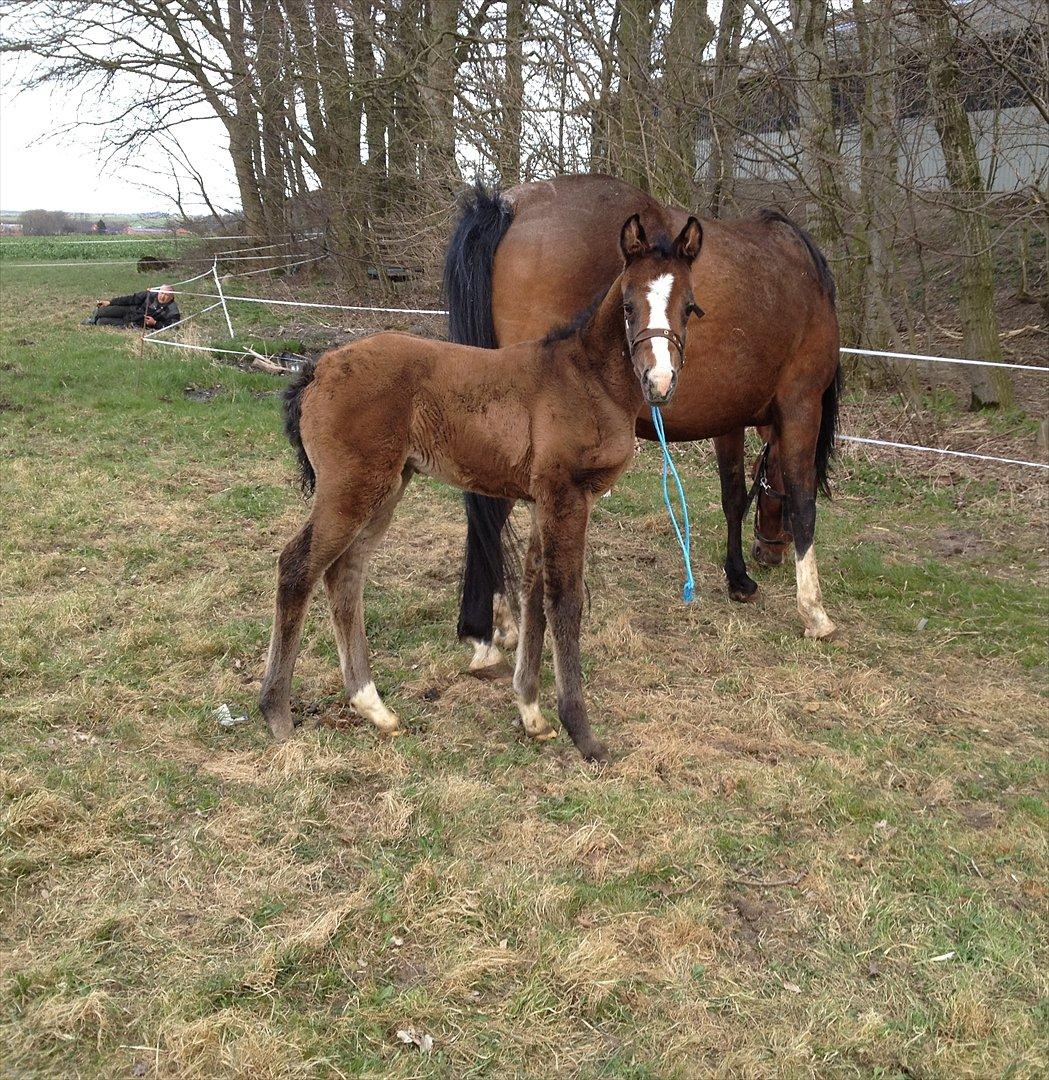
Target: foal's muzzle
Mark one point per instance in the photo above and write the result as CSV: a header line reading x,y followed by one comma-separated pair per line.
x,y
654,396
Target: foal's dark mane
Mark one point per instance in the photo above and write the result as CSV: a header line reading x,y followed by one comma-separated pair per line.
x,y
576,323
661,246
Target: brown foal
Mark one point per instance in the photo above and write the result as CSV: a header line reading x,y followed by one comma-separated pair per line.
x,y
548,422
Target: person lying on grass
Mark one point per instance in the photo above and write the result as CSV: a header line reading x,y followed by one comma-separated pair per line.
x,y
153,309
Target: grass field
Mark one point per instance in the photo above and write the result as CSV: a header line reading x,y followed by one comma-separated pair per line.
x,y
805,859
91,247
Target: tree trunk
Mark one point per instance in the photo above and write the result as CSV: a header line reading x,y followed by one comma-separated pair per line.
x,y
830,203
691,31
509,138
724,109
989,386
635,91
437,93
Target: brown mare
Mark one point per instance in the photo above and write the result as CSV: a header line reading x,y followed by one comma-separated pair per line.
x,y
766,355
550,422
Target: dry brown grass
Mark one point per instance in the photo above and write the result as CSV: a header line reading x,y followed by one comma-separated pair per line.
x,y
183,901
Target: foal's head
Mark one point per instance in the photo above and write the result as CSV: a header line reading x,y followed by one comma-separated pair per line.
x,y
657,302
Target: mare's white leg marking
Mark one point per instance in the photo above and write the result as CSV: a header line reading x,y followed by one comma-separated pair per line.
x,y
485,656
368,703
662,373
505,627
810,599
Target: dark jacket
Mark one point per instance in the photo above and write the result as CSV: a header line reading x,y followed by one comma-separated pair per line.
x,y
138,305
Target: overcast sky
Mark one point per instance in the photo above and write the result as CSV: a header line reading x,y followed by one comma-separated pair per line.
x,y
66,173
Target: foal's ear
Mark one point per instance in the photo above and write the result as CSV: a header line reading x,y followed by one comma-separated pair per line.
x,y
632,240
689,240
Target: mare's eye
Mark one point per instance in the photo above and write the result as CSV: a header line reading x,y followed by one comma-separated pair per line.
x,y
628,310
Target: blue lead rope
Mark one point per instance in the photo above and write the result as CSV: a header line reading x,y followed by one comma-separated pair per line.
x,y
684,532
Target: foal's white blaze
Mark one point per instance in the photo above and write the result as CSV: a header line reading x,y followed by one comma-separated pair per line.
x,y
810,599
368,703
662,373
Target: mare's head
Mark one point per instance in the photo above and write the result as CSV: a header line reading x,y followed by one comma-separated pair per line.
x,y
657,303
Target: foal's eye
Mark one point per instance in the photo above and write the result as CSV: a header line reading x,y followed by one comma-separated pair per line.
x,y
628,310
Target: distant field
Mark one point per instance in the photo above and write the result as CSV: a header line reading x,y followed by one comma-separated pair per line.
x,y
805,860
91,247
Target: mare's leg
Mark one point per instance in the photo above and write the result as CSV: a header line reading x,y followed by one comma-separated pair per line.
x,y
337,517
503,618
563,517
771,538
798,431
344,580
530,641
733,476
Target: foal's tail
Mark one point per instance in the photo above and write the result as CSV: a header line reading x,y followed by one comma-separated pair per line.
x,y
291,398
484,218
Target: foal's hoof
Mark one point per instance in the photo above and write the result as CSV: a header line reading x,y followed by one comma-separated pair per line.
x,y
534,723
595,751
825,631
280,727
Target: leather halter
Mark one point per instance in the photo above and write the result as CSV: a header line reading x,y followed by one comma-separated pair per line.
x,y
761,483
647,335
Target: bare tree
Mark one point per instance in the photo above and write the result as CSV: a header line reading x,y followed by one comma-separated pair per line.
x,y
976,299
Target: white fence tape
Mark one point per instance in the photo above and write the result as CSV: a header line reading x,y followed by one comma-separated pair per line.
x,y
141,238
327,307
938,450
152,335
942,359
223,299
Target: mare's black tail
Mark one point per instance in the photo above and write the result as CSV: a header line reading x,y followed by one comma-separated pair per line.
x,y
483,220
825,444
291,398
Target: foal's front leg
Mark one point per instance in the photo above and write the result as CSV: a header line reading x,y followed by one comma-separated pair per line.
x,y
563,519
530,641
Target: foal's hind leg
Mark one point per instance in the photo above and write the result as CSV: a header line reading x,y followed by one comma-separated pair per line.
x,y
344,580
321,540
799,429
530,641
733,476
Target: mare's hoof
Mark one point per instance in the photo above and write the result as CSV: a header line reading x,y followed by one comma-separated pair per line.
x,y
745,593
497,672
825,632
